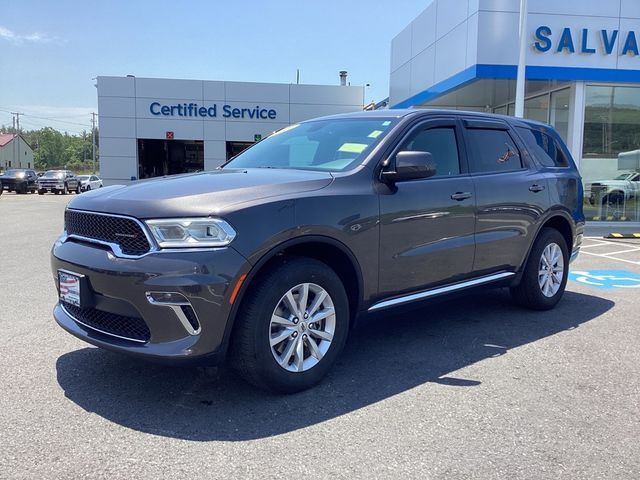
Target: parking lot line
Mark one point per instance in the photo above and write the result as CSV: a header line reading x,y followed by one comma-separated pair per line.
x,y
610,258
622,251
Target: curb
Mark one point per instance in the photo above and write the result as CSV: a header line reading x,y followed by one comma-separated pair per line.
x,y
623,235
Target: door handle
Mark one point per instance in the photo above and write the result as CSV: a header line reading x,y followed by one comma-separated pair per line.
x,y
459,196
536,188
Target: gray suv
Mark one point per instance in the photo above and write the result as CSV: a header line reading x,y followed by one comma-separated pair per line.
x,y
269,260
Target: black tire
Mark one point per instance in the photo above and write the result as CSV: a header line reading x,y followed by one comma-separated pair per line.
x,y
78,191
22,190
250,350
88,188
65,190
613,199
41,192
529,293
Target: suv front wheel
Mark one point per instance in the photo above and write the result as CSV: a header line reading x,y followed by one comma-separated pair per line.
x,y
292,326
545,275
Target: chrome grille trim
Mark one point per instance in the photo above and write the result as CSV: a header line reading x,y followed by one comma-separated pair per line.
x,y
97,329
115,247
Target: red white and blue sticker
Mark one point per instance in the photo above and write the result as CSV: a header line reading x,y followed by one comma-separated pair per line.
x,y
606,278
69,288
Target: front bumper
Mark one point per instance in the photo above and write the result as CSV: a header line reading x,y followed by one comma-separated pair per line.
x,y
11,185
117,288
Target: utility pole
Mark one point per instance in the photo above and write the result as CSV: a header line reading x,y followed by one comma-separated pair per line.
x,y
16,138
93,139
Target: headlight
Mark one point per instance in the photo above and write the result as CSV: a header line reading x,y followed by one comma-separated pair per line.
x,y
191,232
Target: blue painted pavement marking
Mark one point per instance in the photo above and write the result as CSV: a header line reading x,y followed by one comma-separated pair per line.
x,y
606,278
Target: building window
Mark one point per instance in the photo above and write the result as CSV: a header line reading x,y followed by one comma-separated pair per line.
x,y
559,112
611,153
537,108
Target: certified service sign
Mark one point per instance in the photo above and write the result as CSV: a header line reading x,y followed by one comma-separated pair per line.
x,y
606,278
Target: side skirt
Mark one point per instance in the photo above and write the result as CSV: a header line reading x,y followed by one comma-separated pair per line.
x,y
439,291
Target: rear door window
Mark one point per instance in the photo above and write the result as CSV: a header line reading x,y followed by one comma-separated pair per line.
x,y
544,148
492,151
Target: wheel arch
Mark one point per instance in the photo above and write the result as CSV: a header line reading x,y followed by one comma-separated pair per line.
x,y
325,249
558,221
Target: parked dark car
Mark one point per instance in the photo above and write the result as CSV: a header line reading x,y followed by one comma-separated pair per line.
x,y
58,181
270,260
19,180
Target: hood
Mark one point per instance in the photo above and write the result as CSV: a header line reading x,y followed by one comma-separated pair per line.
x,y
199,194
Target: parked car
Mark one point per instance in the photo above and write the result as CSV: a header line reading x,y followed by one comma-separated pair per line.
x,y
19,180
58,181
269,260
625,186
89,182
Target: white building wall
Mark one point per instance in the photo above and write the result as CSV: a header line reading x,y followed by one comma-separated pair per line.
x,y
19,153
125,116
453,35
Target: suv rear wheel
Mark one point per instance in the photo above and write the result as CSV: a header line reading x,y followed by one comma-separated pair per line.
x,y
545,275
293,324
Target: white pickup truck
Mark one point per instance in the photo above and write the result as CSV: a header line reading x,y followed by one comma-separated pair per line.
x,y
620,189
616,191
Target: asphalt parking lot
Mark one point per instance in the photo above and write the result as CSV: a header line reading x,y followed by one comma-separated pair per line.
x,y
474,388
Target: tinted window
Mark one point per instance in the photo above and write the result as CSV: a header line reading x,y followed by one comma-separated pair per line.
x,y
441,143
544,148
492,151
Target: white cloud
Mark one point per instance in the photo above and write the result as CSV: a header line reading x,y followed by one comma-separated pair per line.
x,y
18,39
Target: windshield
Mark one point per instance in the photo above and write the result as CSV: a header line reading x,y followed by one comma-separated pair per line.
x,y
333,145
14,173
52,174
624,176
82,178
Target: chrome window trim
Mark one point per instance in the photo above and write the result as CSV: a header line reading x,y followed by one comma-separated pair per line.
x,y
439,290
98,330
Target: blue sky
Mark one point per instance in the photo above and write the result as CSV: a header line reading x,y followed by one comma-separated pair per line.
x,y
52,50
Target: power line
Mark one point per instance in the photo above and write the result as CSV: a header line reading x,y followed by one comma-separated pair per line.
x,y
53,119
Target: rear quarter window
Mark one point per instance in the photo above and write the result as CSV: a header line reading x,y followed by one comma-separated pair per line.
x,y
543,147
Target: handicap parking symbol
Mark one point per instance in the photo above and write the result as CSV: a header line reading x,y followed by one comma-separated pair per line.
x,y
606,278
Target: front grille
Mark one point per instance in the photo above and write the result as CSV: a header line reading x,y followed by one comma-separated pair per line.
x,y
131,328
50,183
124,232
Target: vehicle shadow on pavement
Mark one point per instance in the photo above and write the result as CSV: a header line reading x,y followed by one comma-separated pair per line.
x,y
385,356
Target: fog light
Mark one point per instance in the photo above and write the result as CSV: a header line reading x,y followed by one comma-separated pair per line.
x,y
180,306
167,298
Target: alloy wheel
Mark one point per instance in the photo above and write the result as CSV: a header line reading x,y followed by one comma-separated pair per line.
x,y
302,327
551,270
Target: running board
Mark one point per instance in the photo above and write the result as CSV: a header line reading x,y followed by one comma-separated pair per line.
x,y
440,290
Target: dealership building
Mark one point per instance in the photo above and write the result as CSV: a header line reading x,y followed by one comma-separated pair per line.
x,y
582,77
151,127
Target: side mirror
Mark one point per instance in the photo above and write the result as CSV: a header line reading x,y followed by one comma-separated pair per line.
x,y
410,165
